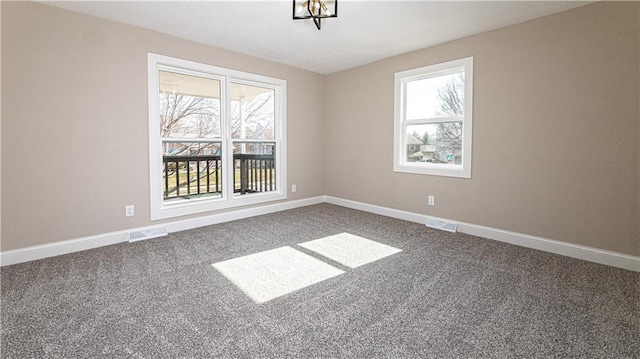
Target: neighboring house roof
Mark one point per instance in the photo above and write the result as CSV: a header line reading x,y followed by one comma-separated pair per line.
x,y
412,140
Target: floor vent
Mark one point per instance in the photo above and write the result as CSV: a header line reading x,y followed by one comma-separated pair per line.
x,y
443,225
147,234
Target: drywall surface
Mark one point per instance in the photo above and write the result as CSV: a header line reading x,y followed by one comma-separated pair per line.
x,y
555,130
75,124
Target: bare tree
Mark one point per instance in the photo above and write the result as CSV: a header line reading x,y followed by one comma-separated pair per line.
x,y
188,116
451,96
199,117
258,113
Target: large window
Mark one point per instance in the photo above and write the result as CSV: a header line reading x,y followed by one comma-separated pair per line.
x,y
433,115
216,137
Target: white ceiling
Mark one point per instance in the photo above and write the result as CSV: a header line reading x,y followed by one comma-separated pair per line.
x,y
363,32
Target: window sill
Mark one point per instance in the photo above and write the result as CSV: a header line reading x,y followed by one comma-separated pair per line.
x,y
433,169
185,208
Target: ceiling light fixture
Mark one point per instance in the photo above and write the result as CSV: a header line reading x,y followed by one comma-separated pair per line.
x,y
315,10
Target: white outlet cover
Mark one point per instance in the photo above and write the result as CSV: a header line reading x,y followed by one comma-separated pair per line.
x,y
129,211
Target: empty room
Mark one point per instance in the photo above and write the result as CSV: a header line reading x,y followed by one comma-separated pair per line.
x,y
320,179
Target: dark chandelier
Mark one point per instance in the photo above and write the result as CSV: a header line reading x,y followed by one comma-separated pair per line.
x,y
315,10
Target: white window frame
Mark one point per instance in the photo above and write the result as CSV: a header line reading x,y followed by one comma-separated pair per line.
x,y
400,163
161,210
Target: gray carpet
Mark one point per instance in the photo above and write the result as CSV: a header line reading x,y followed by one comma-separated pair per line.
x,y
444,296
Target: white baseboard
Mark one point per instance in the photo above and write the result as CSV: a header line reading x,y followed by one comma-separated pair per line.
x,y
590,254
27,254
385,211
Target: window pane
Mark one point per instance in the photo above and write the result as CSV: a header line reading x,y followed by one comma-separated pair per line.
x,y
191,170
254,165
189,106
252,112
435,143
440,96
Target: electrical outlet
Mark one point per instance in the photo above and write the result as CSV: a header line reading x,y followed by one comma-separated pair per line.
x,y
294,188
431,200
129,210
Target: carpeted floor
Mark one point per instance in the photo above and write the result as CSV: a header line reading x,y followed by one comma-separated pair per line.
x,y
443,296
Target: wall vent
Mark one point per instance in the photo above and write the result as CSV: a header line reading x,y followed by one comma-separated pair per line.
x,y
443,225
147,234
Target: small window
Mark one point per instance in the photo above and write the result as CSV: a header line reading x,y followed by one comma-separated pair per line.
x,y
433,119
216,137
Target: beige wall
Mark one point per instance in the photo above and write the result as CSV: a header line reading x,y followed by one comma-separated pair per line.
x,y
74,137
555,132
556,127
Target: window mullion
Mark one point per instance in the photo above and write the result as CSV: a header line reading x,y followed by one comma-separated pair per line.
x,y
426,121
192,140
239,140
228,167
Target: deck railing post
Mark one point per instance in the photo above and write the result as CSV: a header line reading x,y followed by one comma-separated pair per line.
x,y
244,178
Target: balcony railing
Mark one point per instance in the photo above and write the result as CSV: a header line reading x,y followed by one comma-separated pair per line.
x,y
201,175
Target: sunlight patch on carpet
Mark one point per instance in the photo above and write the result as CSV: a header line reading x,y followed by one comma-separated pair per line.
x,y
270,274
350,250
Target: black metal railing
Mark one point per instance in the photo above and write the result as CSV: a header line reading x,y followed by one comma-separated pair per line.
x,y
257,173
201,175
